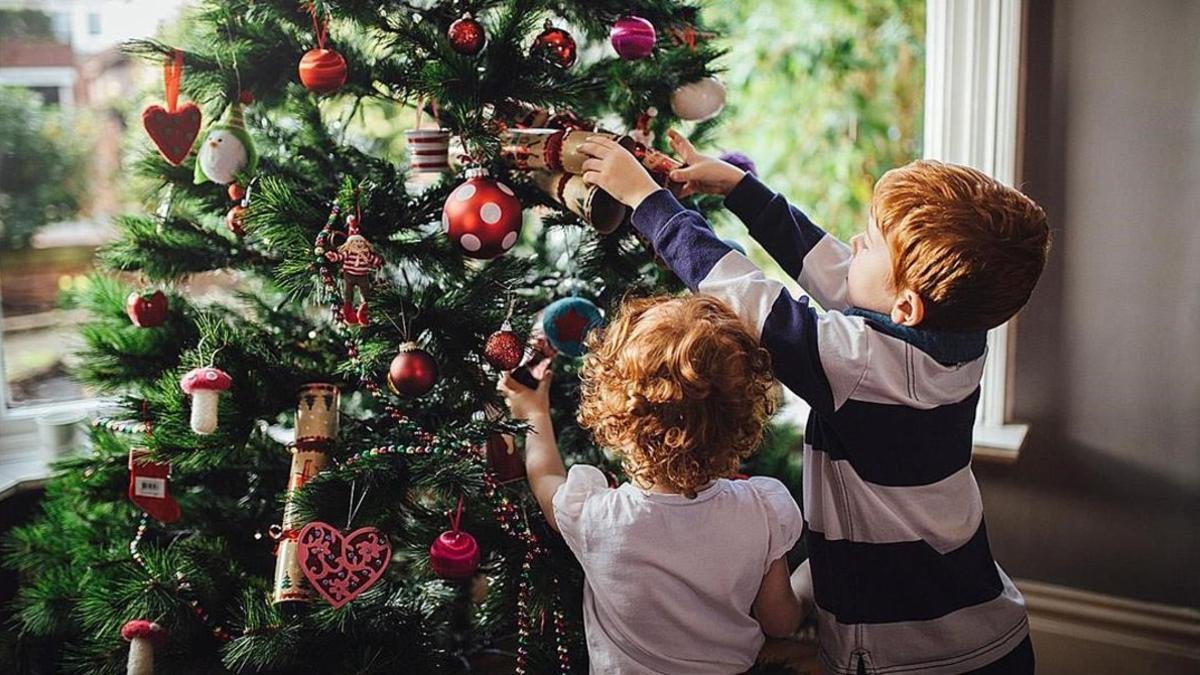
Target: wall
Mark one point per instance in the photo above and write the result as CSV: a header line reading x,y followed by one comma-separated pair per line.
x,y
1106,495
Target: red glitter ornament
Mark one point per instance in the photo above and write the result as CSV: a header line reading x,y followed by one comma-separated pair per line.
x,y
482,216
322,70
503,348
466,36
413,372
556,46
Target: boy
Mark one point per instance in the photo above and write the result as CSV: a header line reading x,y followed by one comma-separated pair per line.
x,y
902,573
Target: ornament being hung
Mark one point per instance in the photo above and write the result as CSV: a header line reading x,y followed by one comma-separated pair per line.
x,y
358,259
205,385
555,45
174,128
466,35
633,37
539,356
567,322
454,554
698,101
413,371
586,200
482,216
322,70
143,637
503,348
341,566
147,309
227,150
149,486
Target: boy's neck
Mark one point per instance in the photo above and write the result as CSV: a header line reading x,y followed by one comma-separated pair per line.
x,y
946,347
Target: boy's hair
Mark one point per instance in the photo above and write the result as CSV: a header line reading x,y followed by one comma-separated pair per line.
x,y
679,388
970,246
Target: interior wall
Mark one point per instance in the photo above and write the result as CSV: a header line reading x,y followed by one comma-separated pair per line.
x,y
1106,494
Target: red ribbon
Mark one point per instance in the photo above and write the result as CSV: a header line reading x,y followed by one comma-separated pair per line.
x,y
457,517
172,74
321,28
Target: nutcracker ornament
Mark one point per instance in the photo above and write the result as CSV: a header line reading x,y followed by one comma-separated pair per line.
x,y
227,150
358,260
482,216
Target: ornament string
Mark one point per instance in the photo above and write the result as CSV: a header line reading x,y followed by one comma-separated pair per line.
x,y
457,517
354,507
172,75
321,28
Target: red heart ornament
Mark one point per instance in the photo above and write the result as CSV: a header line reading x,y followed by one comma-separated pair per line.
x,y
173,132
338,566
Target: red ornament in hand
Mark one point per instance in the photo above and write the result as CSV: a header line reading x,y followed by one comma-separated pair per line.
x,y
146,310
556,46
454,554
413,372
466,36
482,216
322,70
503,348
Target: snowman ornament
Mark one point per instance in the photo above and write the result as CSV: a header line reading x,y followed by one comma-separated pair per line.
x,y
227,150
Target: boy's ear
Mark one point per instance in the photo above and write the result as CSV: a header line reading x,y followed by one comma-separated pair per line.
x,y
909,308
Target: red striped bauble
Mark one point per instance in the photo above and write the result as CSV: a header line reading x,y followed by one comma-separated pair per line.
x,y
322,70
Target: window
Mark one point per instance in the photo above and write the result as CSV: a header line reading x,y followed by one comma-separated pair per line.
x,y
93,23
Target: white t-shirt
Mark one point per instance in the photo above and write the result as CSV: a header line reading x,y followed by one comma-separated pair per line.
x,y
670,581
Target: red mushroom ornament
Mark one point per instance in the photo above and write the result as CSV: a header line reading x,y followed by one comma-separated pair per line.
x,y
204,385
143,637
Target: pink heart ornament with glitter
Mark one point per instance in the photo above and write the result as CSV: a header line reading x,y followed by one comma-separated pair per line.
x,y
340,567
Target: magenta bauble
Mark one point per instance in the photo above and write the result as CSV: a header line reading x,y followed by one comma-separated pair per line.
x,y
633,37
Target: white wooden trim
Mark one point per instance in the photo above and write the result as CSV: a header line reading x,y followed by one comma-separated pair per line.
x,y
1097,633
973,80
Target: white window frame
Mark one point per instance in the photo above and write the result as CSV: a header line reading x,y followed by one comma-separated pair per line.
x,y
974,81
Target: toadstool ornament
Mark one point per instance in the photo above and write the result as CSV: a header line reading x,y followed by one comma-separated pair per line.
x,y
227,150
204,385
143,637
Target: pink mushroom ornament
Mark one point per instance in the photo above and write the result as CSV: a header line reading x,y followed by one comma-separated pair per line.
x,y
143,636
204,385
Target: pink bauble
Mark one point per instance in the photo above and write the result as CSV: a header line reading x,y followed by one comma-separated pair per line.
x,y
454,555
482,216
633,37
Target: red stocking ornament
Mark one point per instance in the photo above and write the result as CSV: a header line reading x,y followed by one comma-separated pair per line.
x,y
149,486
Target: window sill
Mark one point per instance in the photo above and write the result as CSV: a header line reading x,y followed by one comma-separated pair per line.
x,y
999,444
23,464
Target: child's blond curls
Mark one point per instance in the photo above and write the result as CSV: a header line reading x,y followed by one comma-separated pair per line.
x,y
679,388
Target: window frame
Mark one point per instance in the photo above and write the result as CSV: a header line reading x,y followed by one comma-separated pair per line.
x,y
974,91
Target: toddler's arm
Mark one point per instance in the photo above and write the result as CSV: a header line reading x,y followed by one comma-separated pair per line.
x,y
543,463
815,258
776,606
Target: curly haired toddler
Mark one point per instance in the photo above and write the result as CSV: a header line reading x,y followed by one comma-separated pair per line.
x,y
684,567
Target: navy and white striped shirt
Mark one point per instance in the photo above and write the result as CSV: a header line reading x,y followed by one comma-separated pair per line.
x,y
902,571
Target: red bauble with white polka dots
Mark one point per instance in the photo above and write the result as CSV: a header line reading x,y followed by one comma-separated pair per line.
x,y
482,216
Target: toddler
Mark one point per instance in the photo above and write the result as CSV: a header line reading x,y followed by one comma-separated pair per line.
x,y
684,567
901,569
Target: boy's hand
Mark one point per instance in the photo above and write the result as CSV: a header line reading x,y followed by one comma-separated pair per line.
x,y
523,402
617,172
703,174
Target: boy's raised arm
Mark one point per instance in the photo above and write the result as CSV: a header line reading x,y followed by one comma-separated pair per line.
x,y
816,259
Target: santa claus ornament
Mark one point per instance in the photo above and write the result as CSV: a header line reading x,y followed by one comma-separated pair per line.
x,y
227,150
482,216
454,554
321,70
174,128
358,260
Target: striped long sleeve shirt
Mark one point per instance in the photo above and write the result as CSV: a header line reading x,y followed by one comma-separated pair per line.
x,y
902,570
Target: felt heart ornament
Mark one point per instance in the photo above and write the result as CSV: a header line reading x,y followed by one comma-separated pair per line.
x,y
340,567
173,132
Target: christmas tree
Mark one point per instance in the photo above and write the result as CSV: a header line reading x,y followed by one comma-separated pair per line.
x,y
312,473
